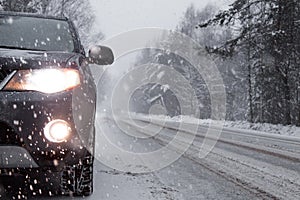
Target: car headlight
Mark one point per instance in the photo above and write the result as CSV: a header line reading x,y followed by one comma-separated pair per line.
x,y
44,80
57,131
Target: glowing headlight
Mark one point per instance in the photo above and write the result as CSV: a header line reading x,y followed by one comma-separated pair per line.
x,y
44,80
57,131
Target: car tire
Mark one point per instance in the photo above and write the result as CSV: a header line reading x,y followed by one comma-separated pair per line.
x,y
77,180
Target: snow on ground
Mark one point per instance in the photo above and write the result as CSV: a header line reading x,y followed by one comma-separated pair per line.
x,y
266,127
278,129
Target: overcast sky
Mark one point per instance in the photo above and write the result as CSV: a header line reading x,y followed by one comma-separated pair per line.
x,y
117,16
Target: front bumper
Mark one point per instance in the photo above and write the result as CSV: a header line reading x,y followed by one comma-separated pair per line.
x,y
23,116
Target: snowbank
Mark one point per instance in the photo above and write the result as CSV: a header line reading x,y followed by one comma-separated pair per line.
x,y
260,127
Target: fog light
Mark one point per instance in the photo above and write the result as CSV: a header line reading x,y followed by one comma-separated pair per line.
x,y
57,131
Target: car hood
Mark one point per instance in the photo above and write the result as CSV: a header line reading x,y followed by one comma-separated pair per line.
x,y
24,59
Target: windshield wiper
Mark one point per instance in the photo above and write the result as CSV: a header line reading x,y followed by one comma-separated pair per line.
x,y
20,48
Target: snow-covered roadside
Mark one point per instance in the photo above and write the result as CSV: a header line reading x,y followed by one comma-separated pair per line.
x,y
260,127
265,127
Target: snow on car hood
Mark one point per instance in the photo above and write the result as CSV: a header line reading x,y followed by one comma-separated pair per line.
x,y
25,59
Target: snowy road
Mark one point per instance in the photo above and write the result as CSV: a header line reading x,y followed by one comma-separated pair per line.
x,y
267,166
239,167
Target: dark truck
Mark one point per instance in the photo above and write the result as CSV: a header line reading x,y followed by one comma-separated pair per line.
x,y
47,103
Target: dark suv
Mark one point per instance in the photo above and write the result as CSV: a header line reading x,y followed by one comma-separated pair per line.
x,y
47,103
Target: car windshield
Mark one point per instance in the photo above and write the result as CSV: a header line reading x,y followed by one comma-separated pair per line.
x,y
35,34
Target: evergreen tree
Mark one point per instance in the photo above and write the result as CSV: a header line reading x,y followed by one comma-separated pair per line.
x,y
267,33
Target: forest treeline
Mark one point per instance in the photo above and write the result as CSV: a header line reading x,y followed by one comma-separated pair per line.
x,y
257,43
268,34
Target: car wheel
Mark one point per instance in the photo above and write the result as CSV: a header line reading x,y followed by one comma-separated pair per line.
x,y
77,180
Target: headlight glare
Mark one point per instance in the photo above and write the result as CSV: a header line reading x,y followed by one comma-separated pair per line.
x,y
57,131
44,80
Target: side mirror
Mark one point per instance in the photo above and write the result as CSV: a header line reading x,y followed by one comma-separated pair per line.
x,y
101,55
